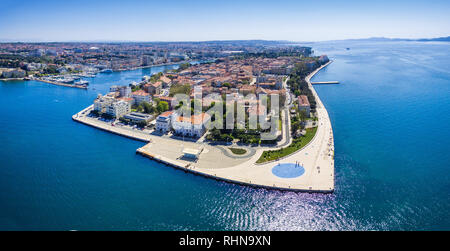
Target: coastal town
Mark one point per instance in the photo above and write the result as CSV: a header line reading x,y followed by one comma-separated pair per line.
x,y
232,79
72,64
149,110
250,104
224,124
69,64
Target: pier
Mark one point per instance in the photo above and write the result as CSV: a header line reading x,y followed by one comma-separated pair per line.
x,y
325,83
60,84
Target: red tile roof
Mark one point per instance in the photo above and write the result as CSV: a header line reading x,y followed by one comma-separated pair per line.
x,y
165,79
194,119
157,84
166,114
140,93
303,100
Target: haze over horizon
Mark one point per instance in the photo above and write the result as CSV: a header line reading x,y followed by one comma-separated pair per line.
x,y
200,20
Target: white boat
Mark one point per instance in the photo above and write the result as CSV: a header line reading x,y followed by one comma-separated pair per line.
x,y
81,82
106,71
66,80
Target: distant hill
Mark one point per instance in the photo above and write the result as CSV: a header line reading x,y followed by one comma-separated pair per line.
x,y
384,39
438,39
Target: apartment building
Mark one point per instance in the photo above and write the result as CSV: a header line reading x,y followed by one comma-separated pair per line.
x,y
140,97
164,122
124,91
111,106
194,126
303,104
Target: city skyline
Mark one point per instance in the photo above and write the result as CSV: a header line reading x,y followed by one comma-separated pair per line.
x,y
54,21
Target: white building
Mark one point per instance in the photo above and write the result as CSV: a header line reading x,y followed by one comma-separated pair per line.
x,y
141,96
118,108
125,91
111,106
37,53
34,66
102,102
194,126
164,122
147,60
13,73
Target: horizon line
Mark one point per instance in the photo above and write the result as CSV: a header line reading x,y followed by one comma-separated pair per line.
x,y
213,40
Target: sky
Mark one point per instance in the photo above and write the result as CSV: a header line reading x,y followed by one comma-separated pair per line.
x,y
200,20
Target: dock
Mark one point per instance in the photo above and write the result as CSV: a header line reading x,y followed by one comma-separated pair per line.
x,y
325,83
60,84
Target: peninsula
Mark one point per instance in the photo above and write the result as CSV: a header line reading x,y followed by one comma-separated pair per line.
x,y
298,158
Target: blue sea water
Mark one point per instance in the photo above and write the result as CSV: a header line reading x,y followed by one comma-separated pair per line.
x,y
391,120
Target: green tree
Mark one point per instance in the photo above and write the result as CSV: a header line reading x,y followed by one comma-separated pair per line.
x,y
302,115
162,106
180,89
142,124
156,77
148,108
295,126
183,67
